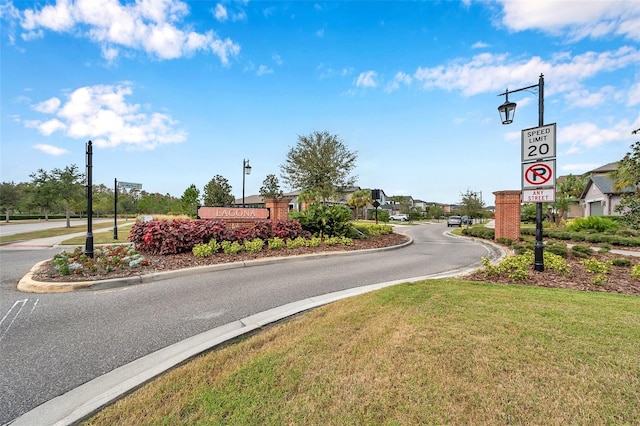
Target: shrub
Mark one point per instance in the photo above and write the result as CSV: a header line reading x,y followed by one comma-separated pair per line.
x,y
604,248
557,248
254,246
592,223
505,241
276,243
635,272
296,243
518,267
163,237
581,251
621,261
600,269
373,229
107,258
231,247
323,221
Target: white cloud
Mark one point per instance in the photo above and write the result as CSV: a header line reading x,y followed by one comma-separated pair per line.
x,y
588,135
488,72
48,107
479,45
101,113
49,127
583,98
400,78
633,95
263,69
367,79
220,12
50,149
148,25
579,20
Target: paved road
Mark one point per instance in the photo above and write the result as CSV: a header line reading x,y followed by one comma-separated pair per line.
x,y
53,343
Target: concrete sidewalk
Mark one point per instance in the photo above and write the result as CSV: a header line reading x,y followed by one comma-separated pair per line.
x,y
53,242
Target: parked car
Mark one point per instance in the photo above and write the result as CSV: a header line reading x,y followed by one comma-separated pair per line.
x,y
400,217
466,220
454,221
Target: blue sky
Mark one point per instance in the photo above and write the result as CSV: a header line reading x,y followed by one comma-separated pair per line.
x,y
173,93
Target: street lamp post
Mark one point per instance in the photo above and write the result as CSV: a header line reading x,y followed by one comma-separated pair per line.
x,y
246,170
507,111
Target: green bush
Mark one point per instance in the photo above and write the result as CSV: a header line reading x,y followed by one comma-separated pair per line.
x,y
580,250
373,229
505,241
592,223
324,221
635,272
254,246
557,248
621,261
296,243
604,248
231,247
276,243
206,250
600,269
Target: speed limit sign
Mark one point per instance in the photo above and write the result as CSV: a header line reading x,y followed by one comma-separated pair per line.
x,y
539,143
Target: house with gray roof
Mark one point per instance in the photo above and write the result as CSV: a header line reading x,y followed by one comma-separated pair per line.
x,y
599,198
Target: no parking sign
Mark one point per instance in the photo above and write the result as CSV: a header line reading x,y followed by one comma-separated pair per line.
x,y
541,174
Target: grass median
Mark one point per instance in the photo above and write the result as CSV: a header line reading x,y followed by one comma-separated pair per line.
x,y
434,352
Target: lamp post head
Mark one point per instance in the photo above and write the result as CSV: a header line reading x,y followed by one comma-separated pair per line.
x,y
247,167
507,110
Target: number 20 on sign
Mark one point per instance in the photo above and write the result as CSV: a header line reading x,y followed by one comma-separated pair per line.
x,y
539,143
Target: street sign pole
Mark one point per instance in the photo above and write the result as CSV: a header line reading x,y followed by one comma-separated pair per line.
x,y
115,209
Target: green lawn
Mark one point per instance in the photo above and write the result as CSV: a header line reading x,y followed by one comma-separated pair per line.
x,y
435,352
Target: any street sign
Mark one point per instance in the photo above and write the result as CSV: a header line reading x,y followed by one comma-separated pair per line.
x,y
539,175
547,195
539,143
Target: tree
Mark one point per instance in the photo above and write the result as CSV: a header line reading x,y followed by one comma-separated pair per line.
x,y
42,192
472,205
435,211
218,192
568,193
360,199
270,187
628,175
190,200
9,198
68,186
319,162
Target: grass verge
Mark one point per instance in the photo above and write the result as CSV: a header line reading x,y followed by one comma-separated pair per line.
x,y
55,232
435,352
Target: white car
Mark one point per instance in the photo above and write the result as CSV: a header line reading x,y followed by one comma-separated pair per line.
x,y
400,217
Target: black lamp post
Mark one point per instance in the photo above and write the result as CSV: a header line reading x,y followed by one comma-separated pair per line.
x,y
246,170
507,111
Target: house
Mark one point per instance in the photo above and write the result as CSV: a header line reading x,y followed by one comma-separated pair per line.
x,y
599,198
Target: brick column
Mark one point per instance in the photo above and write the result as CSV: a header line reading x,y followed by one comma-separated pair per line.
x,y
279,208
507,214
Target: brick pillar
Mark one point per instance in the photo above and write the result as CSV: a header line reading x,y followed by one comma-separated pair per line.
x,y
279,208
507,214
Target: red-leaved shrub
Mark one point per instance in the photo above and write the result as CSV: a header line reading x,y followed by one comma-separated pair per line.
x,y
179,236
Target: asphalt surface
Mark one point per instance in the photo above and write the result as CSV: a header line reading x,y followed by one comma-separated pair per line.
x,y
64,356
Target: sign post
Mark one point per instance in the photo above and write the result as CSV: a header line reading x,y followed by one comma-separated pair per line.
x,y
117,185
539,175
